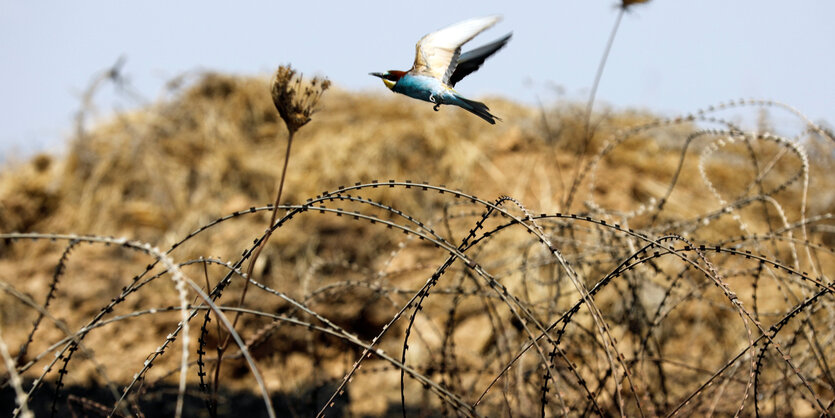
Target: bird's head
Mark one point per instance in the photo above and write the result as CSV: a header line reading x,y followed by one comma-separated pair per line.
x,y
390,78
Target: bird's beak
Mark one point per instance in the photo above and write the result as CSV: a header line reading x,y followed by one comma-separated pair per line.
x,y
389,83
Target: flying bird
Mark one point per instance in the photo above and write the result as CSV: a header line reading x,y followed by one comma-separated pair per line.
x,y
439,65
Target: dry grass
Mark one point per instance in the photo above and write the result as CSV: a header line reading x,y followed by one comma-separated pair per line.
x,y
640,298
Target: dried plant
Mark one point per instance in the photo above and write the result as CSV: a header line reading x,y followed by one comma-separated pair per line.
x,y
625,4
588,132
295,99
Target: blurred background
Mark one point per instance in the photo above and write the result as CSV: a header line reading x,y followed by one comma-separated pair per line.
x,y
670,57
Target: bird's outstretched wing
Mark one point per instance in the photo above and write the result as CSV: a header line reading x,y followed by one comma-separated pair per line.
x,y
438,52
471,61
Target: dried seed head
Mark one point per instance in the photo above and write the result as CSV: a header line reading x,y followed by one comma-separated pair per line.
x,y
626,3
295,99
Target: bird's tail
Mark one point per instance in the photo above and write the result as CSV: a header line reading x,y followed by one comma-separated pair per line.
x,y
477,108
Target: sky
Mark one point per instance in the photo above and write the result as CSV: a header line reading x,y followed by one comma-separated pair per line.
x,y
670,57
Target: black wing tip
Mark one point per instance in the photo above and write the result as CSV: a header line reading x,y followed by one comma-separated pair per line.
x,y
472,60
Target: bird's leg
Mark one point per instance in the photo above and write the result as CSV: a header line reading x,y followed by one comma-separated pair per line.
x,y
432,99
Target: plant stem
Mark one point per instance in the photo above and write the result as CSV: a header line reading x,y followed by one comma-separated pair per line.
x,y
600,67
586,134
222,347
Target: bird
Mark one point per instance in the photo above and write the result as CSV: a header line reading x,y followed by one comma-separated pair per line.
x,y
439,65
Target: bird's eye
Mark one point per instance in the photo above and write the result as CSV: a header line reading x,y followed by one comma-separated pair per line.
x,y
389,77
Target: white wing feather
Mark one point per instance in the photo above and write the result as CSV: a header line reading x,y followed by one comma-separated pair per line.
x,y
437,53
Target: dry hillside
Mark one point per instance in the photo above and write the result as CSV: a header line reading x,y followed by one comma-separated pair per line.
x,y
423,261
